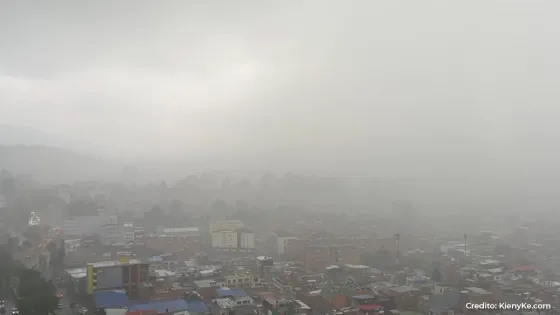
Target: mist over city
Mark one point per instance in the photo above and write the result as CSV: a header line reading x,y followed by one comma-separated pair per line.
x,y
279,157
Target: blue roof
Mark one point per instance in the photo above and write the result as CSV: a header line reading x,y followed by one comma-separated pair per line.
x,y
197,306
156,258
110,299
234,293
161,306
363,297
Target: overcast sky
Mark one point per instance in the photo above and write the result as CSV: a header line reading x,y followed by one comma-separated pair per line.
x,y
385,87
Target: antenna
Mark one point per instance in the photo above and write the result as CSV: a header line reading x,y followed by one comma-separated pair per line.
x,y
466,252
398,244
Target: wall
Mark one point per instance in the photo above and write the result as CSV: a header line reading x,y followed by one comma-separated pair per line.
x,y
281,243
247,240
225,239
295,249
109,278
90,287
316,258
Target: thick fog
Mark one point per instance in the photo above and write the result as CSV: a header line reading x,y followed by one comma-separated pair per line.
x,y
388,88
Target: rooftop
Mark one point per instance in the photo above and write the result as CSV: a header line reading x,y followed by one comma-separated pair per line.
x,y
263,258
478,290
282,233
489,262
226,225
110,299
404,289
356,266
181,230
205,283
197,306
302,305
234,293
77,273
161,273
161,306
114,263
224,303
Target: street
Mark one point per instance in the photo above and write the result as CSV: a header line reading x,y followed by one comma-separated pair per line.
x,y
30,257
8,306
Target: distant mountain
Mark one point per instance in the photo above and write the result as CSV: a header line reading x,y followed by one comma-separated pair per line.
x,y
53,165
17,135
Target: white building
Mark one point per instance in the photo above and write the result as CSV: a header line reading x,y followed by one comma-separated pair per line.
x,y
281,239
224,239
243,240
242,281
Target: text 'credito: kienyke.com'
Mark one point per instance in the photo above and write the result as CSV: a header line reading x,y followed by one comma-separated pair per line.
x,y
503,306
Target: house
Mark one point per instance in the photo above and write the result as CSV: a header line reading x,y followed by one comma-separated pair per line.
x,y
240,297
161,306
280,239
405,297
442,304
207,288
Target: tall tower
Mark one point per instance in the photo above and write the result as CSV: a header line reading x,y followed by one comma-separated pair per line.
x,y
465,236
398,245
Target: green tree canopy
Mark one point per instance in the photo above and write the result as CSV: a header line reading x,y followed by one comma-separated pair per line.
x,y
35,295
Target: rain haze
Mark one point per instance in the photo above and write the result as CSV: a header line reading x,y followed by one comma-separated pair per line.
x,y
298,157
389,88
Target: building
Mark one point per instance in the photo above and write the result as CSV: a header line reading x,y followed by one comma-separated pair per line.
x,y
112,231
232,236
226,225
295,248
242,281
264,264
406,298
280,240
114,275
175,240
207,288
84,225
233,301
317,258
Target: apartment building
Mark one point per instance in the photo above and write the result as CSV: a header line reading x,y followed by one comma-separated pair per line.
x,y
317,258
232,235
175,240
113,275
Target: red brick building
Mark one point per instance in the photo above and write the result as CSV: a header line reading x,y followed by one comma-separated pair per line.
x,y
316,258
295,249
173,241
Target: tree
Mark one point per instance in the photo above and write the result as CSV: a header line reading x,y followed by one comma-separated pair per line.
x,y
26,245
33,233
12,245
219,206
380,259
8,186
436,275
7,265
35,296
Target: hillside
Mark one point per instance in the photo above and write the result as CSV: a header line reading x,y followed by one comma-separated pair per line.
x,y
49,164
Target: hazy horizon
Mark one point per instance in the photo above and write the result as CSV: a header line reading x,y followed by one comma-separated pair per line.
x,y
384,88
